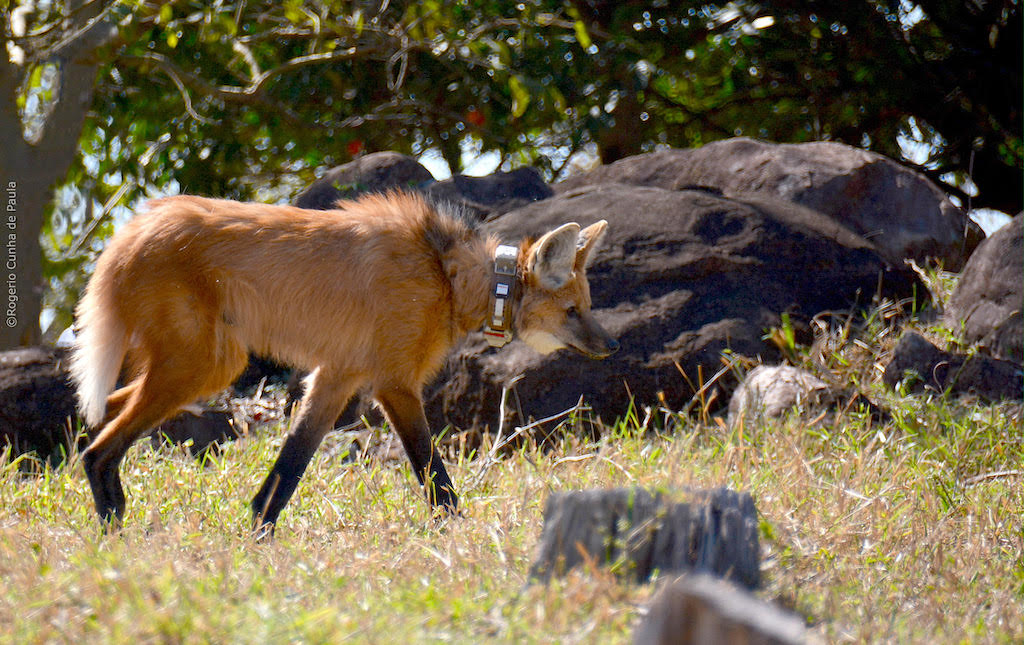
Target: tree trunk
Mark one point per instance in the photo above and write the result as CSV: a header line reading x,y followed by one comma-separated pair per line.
x,y
624,136
25,202
30,170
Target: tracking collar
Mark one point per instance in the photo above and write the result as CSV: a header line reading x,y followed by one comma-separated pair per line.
x,y
498,328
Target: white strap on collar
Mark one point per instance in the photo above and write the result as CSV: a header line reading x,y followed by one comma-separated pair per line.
x,y
498,328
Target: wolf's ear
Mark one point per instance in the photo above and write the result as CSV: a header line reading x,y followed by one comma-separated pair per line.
x,y
589,241
553,255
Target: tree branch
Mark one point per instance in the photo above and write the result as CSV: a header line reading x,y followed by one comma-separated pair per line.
x,y
98,31
51,31
252,92
11,132
57,141
185,96
243,50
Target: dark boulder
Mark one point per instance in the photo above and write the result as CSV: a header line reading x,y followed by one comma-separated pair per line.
x,y
492,194
38,410
373,173
37,403
262,371
199,433
377,172
986,305
919,365
681,277
898,209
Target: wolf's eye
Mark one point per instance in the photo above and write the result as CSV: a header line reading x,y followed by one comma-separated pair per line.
x,y
572,313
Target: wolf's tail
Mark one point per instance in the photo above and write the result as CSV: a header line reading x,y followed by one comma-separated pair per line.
x,y
99,349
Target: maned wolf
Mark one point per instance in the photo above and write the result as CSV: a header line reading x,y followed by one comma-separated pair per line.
x,y
372,294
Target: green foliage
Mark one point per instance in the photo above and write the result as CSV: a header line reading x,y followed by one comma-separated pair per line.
x,y
409,76
862,72
249,99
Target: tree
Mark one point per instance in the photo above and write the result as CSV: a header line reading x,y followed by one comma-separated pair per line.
x,y
226,98
116,99
868,73
31,162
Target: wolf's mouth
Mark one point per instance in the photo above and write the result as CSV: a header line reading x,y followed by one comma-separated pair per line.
x,y
613,346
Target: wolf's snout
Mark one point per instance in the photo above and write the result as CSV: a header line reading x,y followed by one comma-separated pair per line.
x,y
610,346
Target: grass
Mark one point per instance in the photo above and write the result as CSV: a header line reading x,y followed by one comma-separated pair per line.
x,y
904,531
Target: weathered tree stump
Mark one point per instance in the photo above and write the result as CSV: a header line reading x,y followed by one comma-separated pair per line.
x,y
699,609
638,533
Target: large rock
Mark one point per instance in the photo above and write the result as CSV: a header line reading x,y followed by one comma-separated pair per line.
x,y
919,365
199,433
381,171
985,307
38,409
682,276
373,173
492,194
900,210
37,403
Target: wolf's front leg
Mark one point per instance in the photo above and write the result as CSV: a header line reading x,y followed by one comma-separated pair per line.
x,y
404,410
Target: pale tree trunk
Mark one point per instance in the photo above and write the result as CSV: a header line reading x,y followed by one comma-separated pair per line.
x,y
31,169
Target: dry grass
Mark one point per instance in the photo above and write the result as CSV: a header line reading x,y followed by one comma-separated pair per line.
x,y
908,531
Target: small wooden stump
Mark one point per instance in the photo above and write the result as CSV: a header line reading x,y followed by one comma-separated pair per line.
x,y
638,533
698,609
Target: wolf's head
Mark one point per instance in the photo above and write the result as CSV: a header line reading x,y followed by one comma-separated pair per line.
x,y
554,307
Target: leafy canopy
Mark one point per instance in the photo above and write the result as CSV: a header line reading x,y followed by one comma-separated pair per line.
x,y
249,99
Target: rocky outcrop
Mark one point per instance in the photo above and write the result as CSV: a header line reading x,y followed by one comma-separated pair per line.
x,y
37,403
986,305
899,210
706,249
373,173
919,365
377,172
493,194
682,276
38,410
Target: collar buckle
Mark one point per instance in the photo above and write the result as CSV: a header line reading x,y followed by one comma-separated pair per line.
x,y
498,328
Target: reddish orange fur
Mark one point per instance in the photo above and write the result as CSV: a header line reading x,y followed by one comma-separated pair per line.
x,y
372,294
